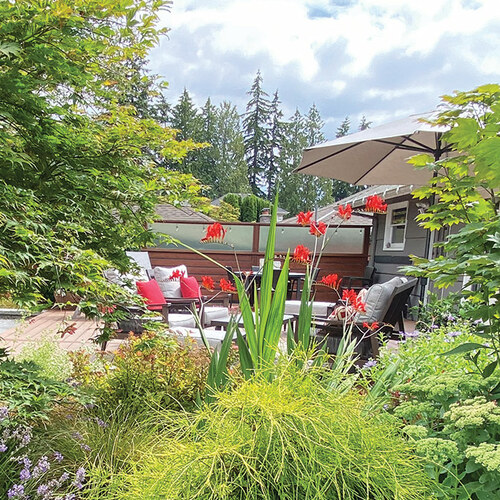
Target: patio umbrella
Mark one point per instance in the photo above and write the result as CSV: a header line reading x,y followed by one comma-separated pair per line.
x,y
377,155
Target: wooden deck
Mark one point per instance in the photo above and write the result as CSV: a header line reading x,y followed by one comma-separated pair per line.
x,y
53,324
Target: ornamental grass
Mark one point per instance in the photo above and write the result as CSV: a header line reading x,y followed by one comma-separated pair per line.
x,y
288,438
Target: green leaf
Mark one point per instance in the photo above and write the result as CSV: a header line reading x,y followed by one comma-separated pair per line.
x,y
466,347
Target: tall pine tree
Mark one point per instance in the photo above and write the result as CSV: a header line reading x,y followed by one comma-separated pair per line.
x,y
230,174
344,127
364,123
256,134
302,192
276,133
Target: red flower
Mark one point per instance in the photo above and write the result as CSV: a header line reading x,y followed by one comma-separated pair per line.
x,y
317,229
177,274
351,297
304,218
208,283
331,281
301,254
226,286
374,326
375,204
345,213
215,233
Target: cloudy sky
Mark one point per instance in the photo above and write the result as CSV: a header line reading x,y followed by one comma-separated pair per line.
x,y
379,58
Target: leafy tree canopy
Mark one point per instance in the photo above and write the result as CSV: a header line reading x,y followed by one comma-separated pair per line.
x,y
78,182
465,190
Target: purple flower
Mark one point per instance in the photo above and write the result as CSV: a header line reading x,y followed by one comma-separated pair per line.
x,y
77,436
41,467
24,475
26,437
64,477
16,491
369,364
58,456
3,447
451,317
85,447
411,335
89,406
101,423
434,327
44,490
478,321
4,413
454,334
79,478
70,496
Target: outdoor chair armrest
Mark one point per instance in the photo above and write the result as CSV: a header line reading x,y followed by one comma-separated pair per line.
x,y
347,281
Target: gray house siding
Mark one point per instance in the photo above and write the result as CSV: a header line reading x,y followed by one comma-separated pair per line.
x,y
388,262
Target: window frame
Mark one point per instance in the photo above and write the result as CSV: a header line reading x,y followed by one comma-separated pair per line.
x,y
394,247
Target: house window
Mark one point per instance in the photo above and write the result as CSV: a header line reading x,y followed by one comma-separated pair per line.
x,y
395,226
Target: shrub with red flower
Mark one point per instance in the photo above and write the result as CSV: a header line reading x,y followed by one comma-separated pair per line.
x,y
331,281
207,282
317,229
215,233
375,204
177,274
304,219
351,297
345,212
301,254
226,285
374,326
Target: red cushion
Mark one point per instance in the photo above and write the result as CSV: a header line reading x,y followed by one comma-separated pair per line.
x,y
150,290
190,288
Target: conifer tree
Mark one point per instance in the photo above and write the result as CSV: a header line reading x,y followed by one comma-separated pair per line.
x,y
187,120
364,123
344,127
276,132
256,134
230,174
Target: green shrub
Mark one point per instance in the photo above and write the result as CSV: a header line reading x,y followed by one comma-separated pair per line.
x,y
154,370
249,209
285,439
442,311
233,199
449,412
53,361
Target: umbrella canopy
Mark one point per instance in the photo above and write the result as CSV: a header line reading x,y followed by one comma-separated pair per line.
x,y
377,155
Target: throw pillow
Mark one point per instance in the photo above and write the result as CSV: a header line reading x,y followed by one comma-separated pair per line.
x,y
168,279
190,288
151,292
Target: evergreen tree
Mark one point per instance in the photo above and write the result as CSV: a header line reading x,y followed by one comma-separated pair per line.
x,y
302,192
294,143
276,132
344,127
256,134
341,189
187,120
249,209
203,161
230,168
364,123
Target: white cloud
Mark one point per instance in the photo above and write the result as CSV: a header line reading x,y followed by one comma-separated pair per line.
x,y
364,51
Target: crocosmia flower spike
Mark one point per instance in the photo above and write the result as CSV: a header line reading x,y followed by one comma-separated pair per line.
x,y
317,229
304,219
215,233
